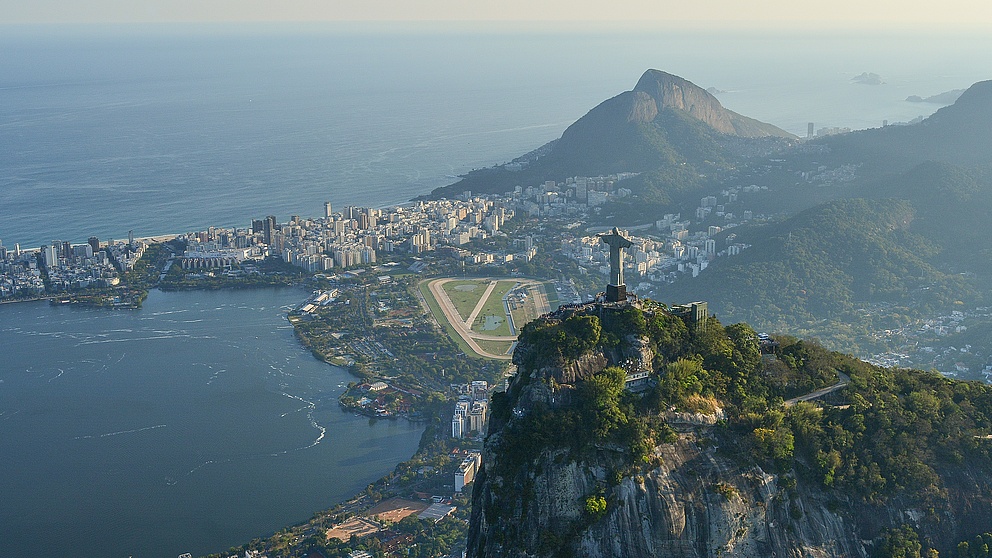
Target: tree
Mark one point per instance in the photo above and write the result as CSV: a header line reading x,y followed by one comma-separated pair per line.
x,y
595,507
600,397
681,378
900,543
746,355
777,443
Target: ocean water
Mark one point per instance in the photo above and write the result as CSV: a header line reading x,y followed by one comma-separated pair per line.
x,y
169,129
191,425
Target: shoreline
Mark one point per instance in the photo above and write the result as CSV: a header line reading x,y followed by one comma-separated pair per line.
x,y
34,299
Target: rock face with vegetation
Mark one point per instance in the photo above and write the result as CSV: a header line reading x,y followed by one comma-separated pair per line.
x,y
713,458
666,126
890,238
657,91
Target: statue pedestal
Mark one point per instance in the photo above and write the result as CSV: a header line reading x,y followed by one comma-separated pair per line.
x,y
616,293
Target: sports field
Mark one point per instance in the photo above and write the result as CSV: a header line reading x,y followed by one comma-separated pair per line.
x,y
486,314
464,295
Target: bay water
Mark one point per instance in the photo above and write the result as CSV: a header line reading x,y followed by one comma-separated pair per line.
x,y
193,424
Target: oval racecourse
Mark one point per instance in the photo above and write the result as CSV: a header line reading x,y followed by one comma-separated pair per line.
x,y
485,314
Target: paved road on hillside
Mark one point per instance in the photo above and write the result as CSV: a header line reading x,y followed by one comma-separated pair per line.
x,y
842,381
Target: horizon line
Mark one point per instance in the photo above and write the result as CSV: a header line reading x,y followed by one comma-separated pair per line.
x,y
456,26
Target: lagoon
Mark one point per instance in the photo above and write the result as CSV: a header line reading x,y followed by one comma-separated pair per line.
x,y
190,425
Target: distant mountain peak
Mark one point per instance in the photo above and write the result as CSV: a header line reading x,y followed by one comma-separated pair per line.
x,y
658,90
670,88
980,92
665,122
972,107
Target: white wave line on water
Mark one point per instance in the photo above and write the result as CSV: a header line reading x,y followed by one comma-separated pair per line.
x,y
313,422
109,434
204,464
298,398
320,437
323,431
132,339
56,376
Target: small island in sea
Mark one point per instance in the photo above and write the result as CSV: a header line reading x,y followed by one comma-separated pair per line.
x,y
868,78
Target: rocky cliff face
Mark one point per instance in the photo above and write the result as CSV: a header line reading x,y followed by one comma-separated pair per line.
x,y
697,503
693,503
672,510
694,496
669,91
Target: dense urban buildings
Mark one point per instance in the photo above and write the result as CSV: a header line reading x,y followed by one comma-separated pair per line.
x,y
672,245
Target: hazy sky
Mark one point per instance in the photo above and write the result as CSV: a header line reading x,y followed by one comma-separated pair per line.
x,y
732,13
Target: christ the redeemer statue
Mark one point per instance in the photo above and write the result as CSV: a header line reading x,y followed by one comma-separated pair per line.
x,y
616,291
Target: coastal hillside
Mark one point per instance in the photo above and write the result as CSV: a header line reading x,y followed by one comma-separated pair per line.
x,y
665,123
959,134
717,453
828,264
904,239
658,91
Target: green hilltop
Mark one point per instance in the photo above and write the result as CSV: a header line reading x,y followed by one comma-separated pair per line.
x,y
906,239
887,441
816,271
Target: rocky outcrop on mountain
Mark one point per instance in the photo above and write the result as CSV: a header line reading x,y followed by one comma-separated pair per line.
x,y
665,119
670,91
693,504
698,492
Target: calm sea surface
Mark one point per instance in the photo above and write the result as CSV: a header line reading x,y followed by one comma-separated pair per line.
x,y
197,422
191,425
169,129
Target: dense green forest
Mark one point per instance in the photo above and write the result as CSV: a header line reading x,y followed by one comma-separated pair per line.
x,y
887,434
837,271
